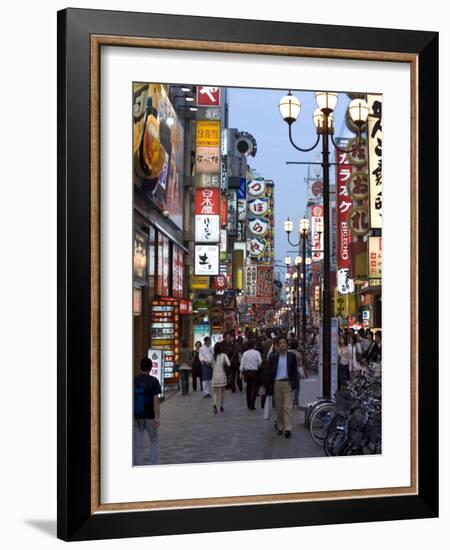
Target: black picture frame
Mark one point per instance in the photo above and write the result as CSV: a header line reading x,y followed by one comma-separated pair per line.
x,y
76,521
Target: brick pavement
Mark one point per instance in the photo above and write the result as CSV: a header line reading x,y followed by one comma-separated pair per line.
x,y
190,432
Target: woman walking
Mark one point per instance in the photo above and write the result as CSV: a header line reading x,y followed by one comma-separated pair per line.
x,y
344,359
185,367
219,378
356,355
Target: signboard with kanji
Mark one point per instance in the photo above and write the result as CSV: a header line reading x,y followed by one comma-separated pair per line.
x,y
317,232
207,201
207,160
375,258
375,146
206,260
208,133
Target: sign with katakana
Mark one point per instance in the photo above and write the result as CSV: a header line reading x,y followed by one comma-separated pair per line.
x,y
258,226
208,95
344,205
207,229
206,260
375,146
207,201
208,133
207,160
256,187
258,207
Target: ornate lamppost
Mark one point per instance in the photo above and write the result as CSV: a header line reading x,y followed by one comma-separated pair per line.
x,y
323,118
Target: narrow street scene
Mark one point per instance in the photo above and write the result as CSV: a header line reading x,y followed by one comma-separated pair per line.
x,y
257,274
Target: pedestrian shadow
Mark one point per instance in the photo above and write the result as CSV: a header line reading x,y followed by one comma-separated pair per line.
x,y
47,526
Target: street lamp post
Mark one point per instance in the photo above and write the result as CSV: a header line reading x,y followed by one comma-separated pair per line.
x,y
323,118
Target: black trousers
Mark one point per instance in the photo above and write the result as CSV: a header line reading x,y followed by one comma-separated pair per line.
x,y
343,375
196,373
252,381
235,379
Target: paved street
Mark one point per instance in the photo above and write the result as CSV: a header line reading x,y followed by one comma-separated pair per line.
x,y
190,431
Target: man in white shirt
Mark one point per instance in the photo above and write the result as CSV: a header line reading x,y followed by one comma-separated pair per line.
x,y
250,364
205,355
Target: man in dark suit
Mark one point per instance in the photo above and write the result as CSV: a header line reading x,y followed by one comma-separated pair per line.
x,y
282,377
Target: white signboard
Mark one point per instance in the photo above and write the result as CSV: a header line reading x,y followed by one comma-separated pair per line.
x,y
223,240
375,151
156,355
206,260
207,228
345,284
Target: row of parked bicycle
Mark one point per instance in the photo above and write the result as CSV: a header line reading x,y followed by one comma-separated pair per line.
x,y
349,424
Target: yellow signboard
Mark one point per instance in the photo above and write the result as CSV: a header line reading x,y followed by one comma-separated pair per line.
x,y
208,133
199,282
344,304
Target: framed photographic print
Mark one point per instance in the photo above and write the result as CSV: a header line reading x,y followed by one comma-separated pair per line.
x,y
247,255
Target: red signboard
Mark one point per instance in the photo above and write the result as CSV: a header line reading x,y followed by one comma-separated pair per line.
x,y
177,272
208,95
220,282
344,206
185,307
207,201
223,210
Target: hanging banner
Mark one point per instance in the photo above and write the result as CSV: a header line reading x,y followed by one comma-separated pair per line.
x,y
315,191
241,231
375,147
251,273
206,260
207,160
208,96
264,285
317,236
375,260
258,226
207,133
223,211
242,194
242,209
344,206
177,272
207,201
207,229
232,212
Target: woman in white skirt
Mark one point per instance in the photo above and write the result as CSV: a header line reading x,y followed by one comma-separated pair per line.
x,y
219,378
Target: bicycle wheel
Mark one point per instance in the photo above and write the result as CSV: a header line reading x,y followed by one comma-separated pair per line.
x,y
313,408
335,443
319,422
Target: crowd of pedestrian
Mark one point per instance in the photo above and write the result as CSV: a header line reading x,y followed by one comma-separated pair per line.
x,y
268,363
356,350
